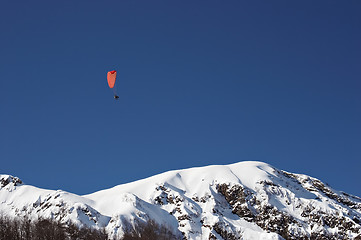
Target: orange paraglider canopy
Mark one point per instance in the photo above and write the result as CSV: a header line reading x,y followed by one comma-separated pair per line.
x,y
111,78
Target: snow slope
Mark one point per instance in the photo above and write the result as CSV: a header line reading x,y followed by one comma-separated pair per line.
x,y
246,200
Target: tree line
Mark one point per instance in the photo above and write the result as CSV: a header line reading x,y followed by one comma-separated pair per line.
x,y
47,229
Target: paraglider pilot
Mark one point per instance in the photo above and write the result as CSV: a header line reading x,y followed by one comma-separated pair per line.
x,y
111,76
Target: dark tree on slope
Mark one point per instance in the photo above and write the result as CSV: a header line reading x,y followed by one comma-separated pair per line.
x,y
149,231
45,229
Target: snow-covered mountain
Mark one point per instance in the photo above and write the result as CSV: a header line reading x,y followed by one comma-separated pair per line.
x,y
246,200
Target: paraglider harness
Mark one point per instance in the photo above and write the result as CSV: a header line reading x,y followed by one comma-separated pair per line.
x,y
116,97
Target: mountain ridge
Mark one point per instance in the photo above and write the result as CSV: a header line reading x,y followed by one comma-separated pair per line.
x,y
245,200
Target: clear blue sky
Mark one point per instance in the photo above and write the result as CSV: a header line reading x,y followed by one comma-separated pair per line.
x,y
200,83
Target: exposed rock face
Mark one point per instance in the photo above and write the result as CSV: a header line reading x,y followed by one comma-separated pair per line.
x,y
5,180
248,200
314,224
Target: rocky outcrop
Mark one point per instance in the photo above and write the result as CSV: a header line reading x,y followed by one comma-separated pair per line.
x,y
5,180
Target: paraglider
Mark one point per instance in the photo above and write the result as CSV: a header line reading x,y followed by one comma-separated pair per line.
x,y
111,76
